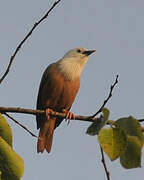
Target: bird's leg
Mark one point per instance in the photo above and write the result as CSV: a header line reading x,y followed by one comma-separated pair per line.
x,y
48,111
69,115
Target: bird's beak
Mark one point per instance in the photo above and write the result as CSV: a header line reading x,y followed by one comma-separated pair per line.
x,y
89,52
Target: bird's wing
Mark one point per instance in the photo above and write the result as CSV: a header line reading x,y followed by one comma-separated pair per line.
x,y
45,83
55,92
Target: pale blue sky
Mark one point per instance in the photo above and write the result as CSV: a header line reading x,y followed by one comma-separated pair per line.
x,y
116,30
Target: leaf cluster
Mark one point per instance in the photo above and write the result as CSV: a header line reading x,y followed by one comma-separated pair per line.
x,y
123,139
11,164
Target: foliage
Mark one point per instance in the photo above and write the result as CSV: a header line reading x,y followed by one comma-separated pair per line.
x,y
124,139
11,164
113,142
5,130
95,127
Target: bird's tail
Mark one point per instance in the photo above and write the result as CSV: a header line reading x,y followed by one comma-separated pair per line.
x,y
46,136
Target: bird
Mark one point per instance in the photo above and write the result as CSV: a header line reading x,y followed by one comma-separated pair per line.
x,y
57,91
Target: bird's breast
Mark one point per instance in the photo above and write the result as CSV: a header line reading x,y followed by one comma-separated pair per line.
x,y
58,92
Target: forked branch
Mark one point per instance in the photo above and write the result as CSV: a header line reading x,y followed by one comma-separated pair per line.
x,y
107,99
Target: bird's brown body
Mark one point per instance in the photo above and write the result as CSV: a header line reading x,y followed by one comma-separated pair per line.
x,y
58,88
57,93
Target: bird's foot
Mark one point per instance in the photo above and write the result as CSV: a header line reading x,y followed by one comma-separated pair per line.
x,y
48,111
69,115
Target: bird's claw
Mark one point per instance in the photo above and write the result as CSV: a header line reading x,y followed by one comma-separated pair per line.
x,y
48,111
69,116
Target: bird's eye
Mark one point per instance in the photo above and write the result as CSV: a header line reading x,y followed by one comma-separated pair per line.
x,y
79,51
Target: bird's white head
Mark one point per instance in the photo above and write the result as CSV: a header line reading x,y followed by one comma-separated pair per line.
x,y
73,62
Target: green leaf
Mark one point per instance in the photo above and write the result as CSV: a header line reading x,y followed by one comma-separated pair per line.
x,y
131,126
131,158
95,127
11,164
106,113
5,130
113,142
6,176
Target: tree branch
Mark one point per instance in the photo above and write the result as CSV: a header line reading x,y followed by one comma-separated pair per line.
x,y
26,37
4,110
106,100
35,112
104,164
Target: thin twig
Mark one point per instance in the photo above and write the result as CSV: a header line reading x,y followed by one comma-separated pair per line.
x,y
104,164
23,41
106,100
141,120
20,125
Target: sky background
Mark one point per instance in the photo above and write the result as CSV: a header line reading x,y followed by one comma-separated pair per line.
x,y
116,30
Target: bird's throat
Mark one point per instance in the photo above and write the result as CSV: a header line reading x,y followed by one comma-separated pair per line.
x,y
70,69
